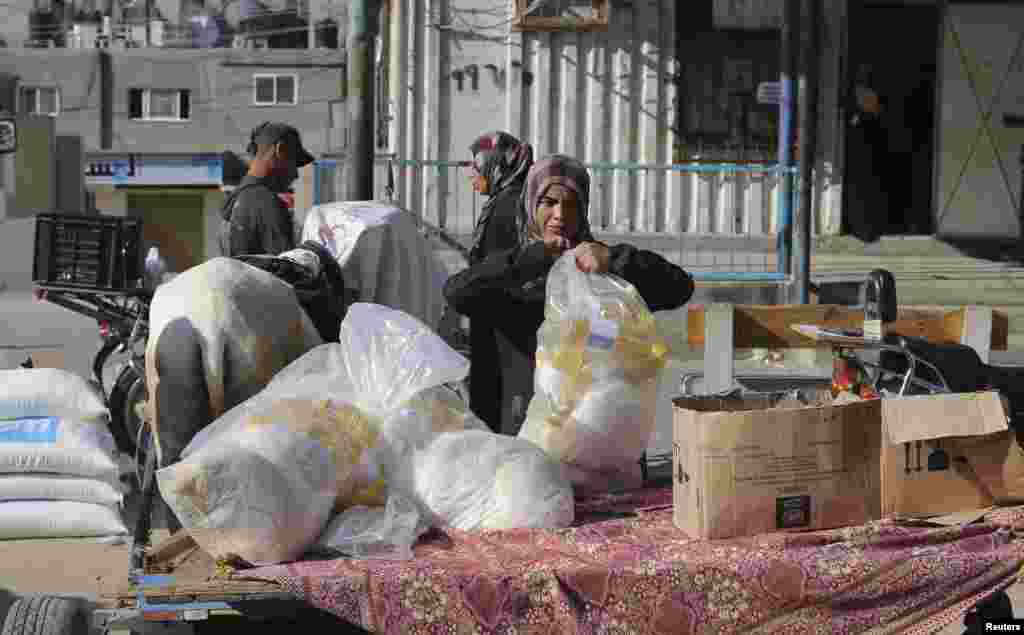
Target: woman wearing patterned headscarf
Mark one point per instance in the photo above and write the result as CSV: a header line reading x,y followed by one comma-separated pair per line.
x,y
507,287
498,172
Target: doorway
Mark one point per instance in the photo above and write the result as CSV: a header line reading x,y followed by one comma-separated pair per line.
x,y
173,221
890,83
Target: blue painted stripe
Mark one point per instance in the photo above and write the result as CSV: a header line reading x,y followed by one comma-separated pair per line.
x,y
154,580
29,430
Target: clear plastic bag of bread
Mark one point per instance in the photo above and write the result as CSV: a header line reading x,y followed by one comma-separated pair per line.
x,y
599,356
327,434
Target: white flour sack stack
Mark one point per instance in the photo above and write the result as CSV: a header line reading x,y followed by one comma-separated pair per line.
x,y
58,461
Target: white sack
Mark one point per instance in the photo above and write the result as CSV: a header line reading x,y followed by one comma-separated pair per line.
x,y
382,254
58,487
58,519
249,323
480,480
48,392
20,459
54,432
51,445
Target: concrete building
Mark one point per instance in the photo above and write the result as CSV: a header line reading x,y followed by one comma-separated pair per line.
x,y
649,85
154,123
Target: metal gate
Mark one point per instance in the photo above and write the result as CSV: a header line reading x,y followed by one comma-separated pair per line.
x,y
979,182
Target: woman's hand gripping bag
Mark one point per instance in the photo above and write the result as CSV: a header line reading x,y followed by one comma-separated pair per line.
x,y
599,356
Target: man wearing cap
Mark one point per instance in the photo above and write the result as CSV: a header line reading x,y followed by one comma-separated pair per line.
x,y
256,221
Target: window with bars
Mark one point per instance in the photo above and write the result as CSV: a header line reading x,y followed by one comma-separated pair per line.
x,y
40,100
275,90
159,104
561,15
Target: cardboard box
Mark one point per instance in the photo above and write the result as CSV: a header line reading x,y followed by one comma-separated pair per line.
x,y
745,466
756,465
943,454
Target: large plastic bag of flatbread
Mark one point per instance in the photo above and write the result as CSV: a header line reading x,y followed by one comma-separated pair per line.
x,y
476,479
599,356
383,254
261,482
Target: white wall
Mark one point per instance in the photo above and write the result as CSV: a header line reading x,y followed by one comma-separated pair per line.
x,y
603,97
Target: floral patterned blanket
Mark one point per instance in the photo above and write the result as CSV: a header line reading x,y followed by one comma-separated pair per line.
x,y
625,568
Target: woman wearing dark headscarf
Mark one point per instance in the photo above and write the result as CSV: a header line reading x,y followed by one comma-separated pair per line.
x,y
498,171
507,288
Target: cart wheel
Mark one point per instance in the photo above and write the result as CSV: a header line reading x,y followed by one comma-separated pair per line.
x,y
46,615
128,392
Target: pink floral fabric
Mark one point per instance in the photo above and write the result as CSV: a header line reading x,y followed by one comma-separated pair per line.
x,y
626,569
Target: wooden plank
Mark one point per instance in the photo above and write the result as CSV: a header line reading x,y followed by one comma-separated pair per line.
x,y
769,326
170,548
222,589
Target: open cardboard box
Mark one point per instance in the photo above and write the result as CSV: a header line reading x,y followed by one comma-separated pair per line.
x,y
744,466
750,465
943,454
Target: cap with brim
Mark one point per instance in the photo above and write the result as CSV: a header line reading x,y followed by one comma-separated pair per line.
x,y
278,132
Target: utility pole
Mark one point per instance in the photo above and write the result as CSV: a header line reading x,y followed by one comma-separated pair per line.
x,y
363,26
789,42
808,95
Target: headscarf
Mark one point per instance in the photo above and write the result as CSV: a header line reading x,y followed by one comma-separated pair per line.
x,y
562,170
501,159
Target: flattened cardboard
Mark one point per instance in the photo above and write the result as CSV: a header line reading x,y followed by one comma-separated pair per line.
x,y
745,466
944,453
925,417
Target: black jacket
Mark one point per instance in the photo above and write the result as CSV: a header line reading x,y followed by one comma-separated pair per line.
x,y
507,289
498,233
255,221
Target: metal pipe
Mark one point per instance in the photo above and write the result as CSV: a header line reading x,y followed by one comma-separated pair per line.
x,y
363,26
787,113
808,94
317,168
738,276
711,168
106,100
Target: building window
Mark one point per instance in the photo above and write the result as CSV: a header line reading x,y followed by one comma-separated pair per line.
x,y
719,114
39,100
560,15
275,90
159,104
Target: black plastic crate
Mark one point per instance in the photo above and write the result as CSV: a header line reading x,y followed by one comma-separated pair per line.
x,y
88,252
